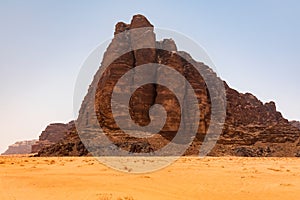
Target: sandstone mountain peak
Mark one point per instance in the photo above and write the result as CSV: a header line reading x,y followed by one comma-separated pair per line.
x,y
251,128
137,21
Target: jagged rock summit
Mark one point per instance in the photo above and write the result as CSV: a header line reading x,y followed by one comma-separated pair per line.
x,y
251,128
295,123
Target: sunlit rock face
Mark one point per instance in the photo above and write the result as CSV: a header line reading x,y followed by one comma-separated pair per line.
x,y
251,128
22,147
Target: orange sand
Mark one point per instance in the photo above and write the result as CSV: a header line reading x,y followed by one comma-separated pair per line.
x,y
188,178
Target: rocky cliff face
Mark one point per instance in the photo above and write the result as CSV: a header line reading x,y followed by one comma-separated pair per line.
x,y
295,123
255,129
251,128
22,147
53,134
60,140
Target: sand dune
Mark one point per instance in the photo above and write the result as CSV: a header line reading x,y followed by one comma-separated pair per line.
x,y
188,178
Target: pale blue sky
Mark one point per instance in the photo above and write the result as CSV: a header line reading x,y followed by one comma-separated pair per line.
x,y
255,46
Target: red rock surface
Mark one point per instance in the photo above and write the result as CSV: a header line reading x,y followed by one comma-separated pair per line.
x,y
53,134
67,141
251,128
295,123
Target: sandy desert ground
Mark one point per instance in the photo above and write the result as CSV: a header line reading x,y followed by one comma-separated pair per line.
x,y
188,178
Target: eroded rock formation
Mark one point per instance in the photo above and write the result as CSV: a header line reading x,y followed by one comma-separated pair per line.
x,y
22,147
60,140
251,128
295,123
55,134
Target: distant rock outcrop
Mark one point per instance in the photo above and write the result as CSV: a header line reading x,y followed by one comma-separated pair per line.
x,y
295,123
251,128
53,134
22,147
67,142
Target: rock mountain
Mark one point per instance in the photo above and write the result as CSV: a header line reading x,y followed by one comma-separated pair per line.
x,y
21,147
251,128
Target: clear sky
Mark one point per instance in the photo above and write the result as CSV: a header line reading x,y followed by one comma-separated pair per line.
x,y
255,46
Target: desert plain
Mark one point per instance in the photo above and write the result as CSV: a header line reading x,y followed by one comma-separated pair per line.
x,y
85,178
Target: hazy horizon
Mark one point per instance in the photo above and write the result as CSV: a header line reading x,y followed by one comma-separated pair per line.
x,y
254,45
